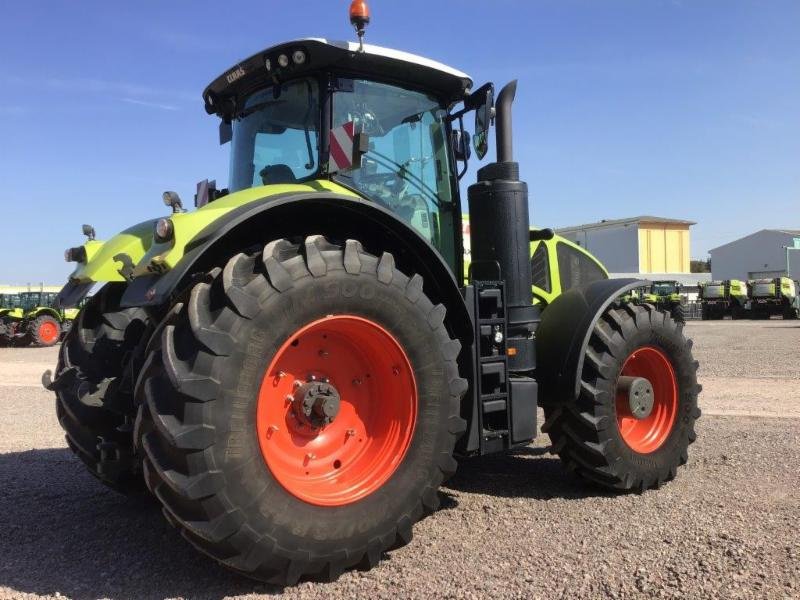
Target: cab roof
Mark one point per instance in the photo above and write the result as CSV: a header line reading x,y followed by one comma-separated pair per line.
x,y
222,96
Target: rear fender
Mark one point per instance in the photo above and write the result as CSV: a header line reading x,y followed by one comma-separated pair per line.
x,y
106,260
38,312
563,335
295,215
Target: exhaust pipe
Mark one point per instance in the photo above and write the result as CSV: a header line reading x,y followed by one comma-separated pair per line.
x,y
502,123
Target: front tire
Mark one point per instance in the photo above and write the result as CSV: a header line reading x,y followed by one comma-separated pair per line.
x,y
251,480
94,390
596,435
678,314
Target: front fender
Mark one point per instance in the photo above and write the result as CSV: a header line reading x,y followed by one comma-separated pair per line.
x,y
563,335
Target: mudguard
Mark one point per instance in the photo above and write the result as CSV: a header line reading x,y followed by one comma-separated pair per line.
x,y
563,335
296,214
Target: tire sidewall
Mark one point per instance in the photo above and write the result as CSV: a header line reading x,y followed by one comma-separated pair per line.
x,y
670,341
233,414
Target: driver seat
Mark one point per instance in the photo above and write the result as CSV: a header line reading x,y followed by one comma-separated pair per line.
x,y
278,173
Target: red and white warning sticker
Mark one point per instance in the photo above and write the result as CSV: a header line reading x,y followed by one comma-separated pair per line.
x,y
341,153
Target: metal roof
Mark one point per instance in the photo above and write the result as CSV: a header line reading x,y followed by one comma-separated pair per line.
x,y
793,232
627,221
244,77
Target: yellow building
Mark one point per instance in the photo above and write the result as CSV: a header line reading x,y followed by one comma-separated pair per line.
x,y
643,244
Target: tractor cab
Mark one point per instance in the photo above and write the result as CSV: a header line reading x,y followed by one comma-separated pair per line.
x,y
379,122
665,289
31,300
9,301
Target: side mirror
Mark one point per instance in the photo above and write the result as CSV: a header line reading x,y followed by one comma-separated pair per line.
x,y
88,231
206,191
225,132
460,144
483,100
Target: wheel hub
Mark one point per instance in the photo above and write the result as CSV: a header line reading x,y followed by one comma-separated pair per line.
x,y
647,399
640,395
316,403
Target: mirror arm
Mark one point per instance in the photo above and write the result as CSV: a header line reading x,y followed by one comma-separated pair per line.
x,y
466,157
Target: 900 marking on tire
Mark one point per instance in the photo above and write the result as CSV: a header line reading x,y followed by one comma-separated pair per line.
x,y
300,411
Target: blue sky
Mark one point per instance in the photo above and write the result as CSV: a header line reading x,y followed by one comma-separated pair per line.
x,y
686,109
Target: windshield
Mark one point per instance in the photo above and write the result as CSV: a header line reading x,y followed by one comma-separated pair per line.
x,y
276,136
9,301
664,289
30,300
406,168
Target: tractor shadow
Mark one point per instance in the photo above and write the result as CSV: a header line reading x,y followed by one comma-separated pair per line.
x,y
62,531
529,472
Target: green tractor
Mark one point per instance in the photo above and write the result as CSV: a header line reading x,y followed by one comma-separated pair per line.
x,y
666,295
10,312
294,368
778,296
34,319
720,298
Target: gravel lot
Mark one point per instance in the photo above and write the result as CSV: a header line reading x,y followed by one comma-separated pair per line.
x,y
511,526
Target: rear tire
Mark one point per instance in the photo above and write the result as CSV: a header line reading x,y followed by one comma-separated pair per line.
x,y
94,389
593,435
208,457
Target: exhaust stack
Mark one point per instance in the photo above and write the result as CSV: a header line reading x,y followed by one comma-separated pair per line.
x,y
503,132
500,235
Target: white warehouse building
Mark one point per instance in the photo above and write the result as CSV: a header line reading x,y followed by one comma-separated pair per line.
x,y
764,254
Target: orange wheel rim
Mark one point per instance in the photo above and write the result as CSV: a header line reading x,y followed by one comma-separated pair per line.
x,y
648,434
336,459
48,332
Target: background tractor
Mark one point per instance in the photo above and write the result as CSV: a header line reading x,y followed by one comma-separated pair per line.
x,y
10,312
773,297
720,298
34,319
294,368
666,295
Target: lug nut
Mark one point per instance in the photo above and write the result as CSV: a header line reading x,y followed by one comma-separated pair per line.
x,y
323,353
350,433
272,429
356,381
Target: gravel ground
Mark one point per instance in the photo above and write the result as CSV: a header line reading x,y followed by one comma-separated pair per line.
x,y
511,526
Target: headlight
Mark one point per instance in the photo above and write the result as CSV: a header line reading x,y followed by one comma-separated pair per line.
x,y
283,60
164,230
299,57
77,254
